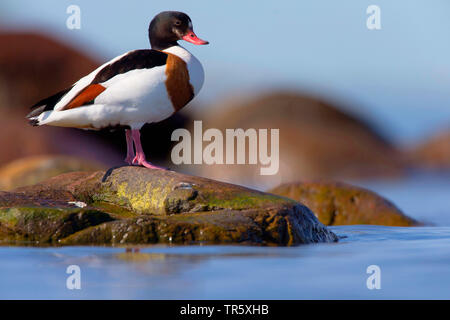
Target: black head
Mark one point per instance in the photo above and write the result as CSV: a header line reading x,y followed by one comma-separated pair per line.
x,y
168,27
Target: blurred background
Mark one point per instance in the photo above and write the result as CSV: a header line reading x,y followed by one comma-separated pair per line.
x,y
351,103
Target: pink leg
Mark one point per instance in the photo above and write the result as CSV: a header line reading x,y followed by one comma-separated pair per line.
x,y
140,156
130,150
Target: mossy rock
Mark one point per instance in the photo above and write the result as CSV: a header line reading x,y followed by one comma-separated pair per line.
x,y
135,205
45,225
343,204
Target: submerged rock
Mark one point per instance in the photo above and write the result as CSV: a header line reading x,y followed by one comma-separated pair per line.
x,y
343,204
134,205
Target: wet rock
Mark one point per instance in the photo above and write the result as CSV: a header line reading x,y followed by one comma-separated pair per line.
x,y
44,224
343,204
317,140
31,170
135,205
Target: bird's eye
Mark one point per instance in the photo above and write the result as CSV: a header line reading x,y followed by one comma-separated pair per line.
x,y
178,22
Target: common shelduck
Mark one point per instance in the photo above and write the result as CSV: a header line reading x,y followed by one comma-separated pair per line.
x,y
138,87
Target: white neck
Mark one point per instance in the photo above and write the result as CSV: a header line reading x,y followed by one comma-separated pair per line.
x,y
180,52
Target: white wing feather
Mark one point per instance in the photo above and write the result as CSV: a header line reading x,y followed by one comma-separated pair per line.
x,y
83,83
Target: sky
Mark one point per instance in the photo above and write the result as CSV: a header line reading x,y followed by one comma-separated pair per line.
x,y
398,77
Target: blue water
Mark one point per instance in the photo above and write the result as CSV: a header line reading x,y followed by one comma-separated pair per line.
x,y
414,262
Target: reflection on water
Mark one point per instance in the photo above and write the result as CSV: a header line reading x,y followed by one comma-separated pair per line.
x,y
414,263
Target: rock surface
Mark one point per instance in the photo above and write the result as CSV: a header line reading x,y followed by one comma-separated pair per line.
x,y
344,204
134,205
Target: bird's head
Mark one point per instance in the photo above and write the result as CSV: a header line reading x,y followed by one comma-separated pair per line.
x,y
168,27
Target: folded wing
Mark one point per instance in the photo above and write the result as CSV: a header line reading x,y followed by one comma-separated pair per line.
x,y
84,91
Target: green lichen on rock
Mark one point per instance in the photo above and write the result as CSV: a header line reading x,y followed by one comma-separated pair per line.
x,y
166,192
47,225
134,205
343,204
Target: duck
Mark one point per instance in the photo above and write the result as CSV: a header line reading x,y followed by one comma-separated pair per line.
x,y
138,87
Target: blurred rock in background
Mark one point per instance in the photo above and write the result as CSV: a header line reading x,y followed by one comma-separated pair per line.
x,y
317,140
34,66
31,170
343,204
432,154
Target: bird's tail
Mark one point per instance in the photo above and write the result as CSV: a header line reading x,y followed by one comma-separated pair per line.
x,y
34,122
33,116
46,104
